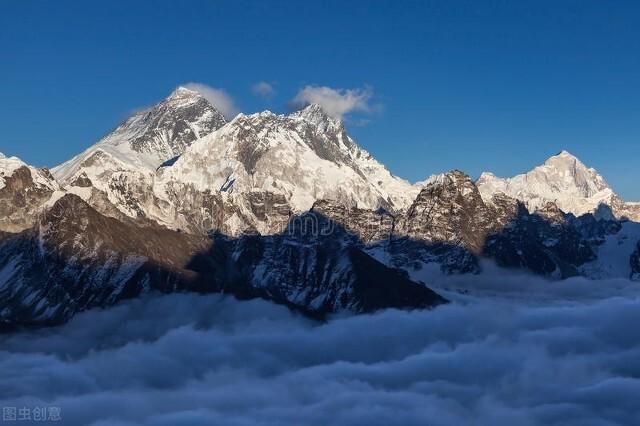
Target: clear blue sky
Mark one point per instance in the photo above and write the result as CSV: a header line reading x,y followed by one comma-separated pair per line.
x,y
474,85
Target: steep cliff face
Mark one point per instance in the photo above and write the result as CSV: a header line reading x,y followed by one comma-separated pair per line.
x,y
449,209
321,267
24,191
534,243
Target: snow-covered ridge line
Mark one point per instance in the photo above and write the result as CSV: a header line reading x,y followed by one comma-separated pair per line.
x,y
183,145
564,180
305,156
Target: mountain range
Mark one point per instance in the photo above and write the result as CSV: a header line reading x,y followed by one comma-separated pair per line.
x,y
287,208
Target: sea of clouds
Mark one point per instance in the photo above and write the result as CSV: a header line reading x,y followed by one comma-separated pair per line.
x,y
514,351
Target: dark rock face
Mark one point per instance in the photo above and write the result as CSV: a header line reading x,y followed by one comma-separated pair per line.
x,y
325,272
449,210
409,254
168,125
368,225
544,247
21,200
266,205
548,242
378,287
385,232
82,181
552,214
593,230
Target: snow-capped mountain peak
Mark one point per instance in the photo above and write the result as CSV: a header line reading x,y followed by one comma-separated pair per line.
x,y
562,179
564,153
576,172
182,92
152,136
317,116
564,173
304,157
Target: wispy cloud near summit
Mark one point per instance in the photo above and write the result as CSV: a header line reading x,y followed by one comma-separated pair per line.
x,y
336,102
217,97
263,89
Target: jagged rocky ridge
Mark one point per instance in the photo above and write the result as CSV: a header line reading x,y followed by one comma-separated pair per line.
x,y
283,207
451,225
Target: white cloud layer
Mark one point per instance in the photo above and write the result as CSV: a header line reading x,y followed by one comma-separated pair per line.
x,y
335,102
220,99
263,89
201,360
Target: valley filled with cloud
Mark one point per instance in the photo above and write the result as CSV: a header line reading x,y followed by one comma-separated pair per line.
x,y
565,354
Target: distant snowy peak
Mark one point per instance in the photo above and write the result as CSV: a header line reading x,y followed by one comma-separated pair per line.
x,y
152,136
562,179
184,94
571,173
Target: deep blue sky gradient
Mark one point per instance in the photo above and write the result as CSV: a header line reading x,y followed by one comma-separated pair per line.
x,y
473,85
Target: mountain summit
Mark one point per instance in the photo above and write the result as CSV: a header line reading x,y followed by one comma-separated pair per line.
x,y
563,179
151,136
